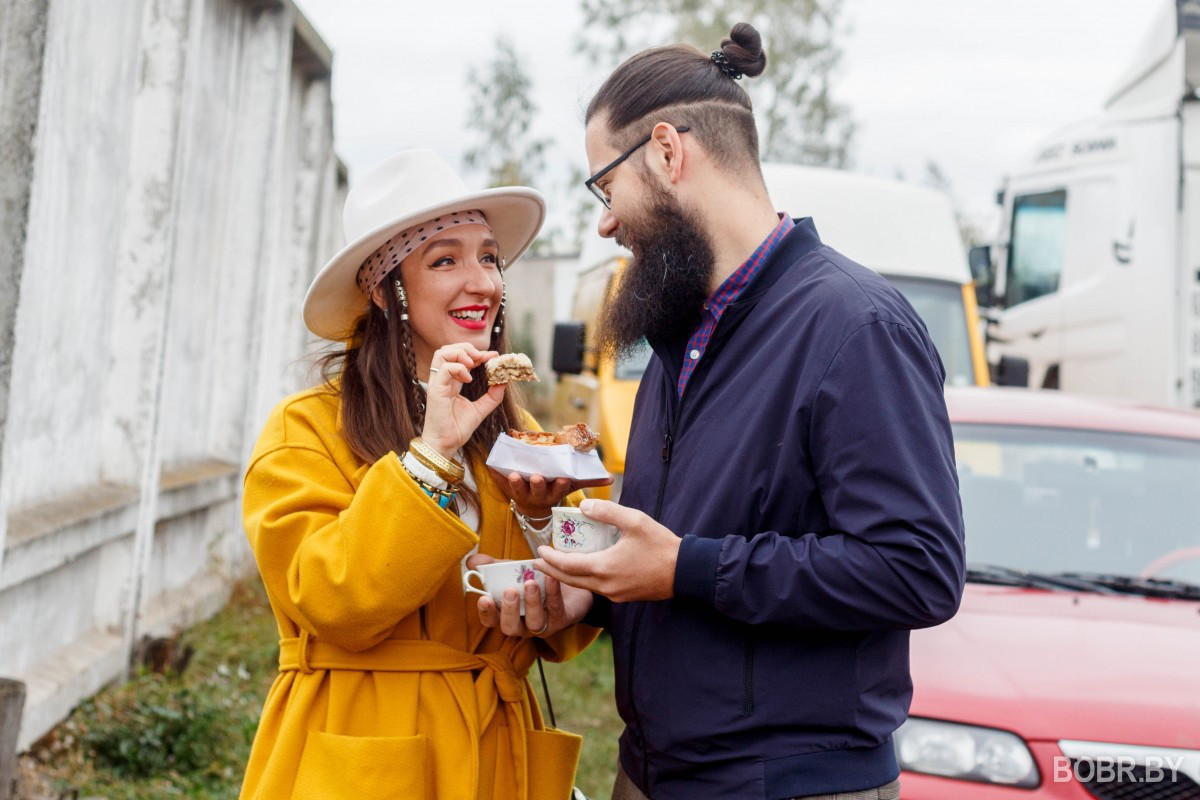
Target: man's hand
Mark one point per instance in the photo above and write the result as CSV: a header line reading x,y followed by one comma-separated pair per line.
x,y
564,606
641,566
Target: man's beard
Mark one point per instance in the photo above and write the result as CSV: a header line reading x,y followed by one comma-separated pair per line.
x,y
661,291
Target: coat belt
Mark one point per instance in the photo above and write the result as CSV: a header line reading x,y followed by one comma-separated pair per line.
x,y
501,676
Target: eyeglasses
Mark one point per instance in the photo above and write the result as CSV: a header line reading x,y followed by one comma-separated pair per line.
x,y
590,183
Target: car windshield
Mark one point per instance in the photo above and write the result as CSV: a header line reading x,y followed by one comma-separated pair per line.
x,y
630,366
940,305
1052,500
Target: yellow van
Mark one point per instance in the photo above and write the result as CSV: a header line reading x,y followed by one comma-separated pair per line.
x,y
908,233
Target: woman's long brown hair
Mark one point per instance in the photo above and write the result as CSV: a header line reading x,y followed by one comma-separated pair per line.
x,y
383,406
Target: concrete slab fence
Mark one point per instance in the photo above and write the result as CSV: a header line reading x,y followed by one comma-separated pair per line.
x,y
168,187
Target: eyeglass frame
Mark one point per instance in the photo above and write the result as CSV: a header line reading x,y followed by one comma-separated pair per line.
x,y
590,183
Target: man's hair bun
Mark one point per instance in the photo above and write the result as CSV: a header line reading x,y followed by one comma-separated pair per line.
x,y
744,51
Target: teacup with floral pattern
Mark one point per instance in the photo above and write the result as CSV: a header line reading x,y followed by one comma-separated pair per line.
x,y
501,575
574,532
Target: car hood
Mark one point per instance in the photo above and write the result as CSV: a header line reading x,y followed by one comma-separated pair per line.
x,y
1064,665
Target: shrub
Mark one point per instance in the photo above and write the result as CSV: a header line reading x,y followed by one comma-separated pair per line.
x,y
180,731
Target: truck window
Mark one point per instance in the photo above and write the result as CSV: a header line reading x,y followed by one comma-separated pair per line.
x,y
940,306
630,366
1038,246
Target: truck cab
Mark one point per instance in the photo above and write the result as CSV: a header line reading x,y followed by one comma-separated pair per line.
x,y
1095,273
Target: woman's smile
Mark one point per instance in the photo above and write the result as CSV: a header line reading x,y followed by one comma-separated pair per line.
x,y
472,317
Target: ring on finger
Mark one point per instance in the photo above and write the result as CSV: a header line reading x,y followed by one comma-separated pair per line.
x,y
545,627
433,370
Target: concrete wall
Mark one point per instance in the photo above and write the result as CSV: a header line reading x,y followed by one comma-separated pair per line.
x,y
168,187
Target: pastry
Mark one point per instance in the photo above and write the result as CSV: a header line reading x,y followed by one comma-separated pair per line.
x,y
534,437
509,368
579,436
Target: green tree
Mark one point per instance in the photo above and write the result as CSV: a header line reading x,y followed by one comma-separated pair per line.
x,y
799,119
500,114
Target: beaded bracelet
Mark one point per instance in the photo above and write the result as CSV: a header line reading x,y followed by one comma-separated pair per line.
x,y
443,497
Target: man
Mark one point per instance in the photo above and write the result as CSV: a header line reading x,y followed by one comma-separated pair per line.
x,y
790,505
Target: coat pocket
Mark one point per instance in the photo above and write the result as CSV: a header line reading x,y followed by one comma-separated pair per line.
x,y
336,767
553,756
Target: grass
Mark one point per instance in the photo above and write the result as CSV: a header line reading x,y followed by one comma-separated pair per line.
x,y
189,735
582,693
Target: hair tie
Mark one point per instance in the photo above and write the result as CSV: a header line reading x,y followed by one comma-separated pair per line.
x,y
729,69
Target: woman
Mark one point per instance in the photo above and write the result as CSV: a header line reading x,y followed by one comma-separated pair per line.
x,y
365,497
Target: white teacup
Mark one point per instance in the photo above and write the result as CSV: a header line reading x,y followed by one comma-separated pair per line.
x,y
502,575
574,532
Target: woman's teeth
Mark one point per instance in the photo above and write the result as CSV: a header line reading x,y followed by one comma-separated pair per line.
x,y
474,315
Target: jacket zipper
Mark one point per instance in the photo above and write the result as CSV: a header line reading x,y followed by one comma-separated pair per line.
x,y
668,441
748,678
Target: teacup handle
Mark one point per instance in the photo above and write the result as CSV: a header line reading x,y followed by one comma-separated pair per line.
x,y
467,587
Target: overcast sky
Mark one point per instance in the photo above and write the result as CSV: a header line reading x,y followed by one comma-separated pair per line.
x,y
971,84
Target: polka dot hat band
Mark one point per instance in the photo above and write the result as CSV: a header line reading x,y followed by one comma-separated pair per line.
x,y
396,249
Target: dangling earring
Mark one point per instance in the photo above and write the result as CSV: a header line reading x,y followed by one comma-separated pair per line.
x,y
403,300
503,301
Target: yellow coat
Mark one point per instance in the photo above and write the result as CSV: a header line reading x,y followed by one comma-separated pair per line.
x,y
388,687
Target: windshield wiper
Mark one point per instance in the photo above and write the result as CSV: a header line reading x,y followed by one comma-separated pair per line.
x,y
1145,587
1006,576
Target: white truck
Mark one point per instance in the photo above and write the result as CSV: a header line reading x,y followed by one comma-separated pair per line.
x,y
1095,274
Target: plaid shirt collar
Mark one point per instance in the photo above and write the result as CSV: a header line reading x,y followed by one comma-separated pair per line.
x,y
730,289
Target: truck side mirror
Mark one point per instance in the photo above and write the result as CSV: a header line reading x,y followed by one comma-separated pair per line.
x,y
1011,371
566,356
980,260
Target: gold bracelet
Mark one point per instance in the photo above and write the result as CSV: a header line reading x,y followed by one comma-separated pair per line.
x,y
447,469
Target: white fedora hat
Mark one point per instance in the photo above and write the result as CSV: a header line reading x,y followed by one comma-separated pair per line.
x,y
412,187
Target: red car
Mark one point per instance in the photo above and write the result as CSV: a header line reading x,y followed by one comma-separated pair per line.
x,y
1072,669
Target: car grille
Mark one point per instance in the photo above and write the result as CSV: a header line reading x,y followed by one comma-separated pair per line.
x,y
1173,786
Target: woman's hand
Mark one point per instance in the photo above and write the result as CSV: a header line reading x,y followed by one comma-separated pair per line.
x,y
564,606
450,418
537,495
534,497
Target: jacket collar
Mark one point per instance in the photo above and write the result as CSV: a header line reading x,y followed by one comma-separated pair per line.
x,y
799,242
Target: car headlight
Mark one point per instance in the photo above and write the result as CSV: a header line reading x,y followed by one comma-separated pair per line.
x,y
966,752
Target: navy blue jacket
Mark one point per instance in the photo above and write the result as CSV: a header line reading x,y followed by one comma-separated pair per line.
x,y
809,468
